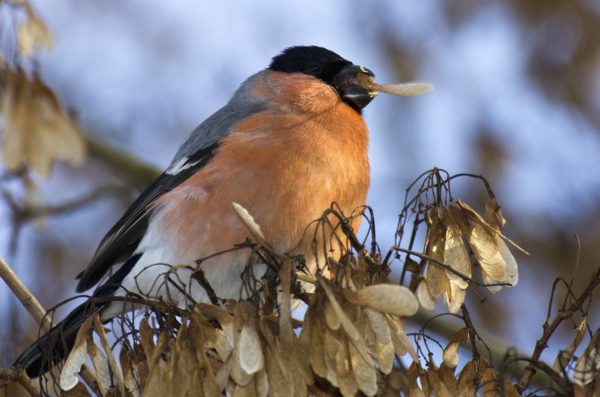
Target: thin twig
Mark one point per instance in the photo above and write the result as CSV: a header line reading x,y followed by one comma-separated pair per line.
x,y
472,332
550,328
27,213
75,204
25,296
39,314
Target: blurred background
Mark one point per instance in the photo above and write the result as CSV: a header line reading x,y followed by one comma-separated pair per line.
x,y
517,99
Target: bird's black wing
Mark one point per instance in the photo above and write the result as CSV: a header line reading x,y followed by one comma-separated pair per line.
x,y
122,239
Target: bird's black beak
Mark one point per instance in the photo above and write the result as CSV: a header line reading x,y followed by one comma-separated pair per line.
x,y
352,92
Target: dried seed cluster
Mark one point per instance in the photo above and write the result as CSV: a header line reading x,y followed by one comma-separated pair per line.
x,y
453,233
350,338
361,334
476,375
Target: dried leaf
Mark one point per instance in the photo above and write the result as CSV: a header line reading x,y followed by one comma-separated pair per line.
x,y
490,283
509,389
448,378
345,322
182,369
250,350
425,299
389,298
205,379
468,381
588,364
217,313
127,366
156,384
413,373
399,89
101,367
99,329
497,263
161,345
32,35
436,278
378,324
493,214
300,355
348,386
401,343
140,365
495,385
454,297
76,359
485,248
299,378
416,392
433,377
398,380
280,380
512,269
364,371
472,216
78,391
286,331
36,129
331,318
456,256
385,356
239,376
224,373
243,313
342,360
261,381
451,351
502,259
406,89
252,226
146,338
333,343
564,356
317,345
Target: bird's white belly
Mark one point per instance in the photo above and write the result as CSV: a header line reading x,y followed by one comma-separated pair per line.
x,y
168,270
164,277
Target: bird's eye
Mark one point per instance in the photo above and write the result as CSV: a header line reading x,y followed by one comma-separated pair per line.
x,y
313,69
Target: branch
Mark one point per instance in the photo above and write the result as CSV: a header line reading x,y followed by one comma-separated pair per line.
x,y
549,329
26,213
36,310
134,171
39,314
25,296
446,330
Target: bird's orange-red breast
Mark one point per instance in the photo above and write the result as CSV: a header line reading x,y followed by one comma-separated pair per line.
x,y
286,165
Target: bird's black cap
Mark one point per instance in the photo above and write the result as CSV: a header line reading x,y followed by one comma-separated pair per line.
x,y
330,68
311,60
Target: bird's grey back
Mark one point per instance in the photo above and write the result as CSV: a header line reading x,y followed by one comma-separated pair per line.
x,y
213,129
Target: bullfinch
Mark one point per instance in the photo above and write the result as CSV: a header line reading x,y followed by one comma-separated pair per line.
x,y
289,143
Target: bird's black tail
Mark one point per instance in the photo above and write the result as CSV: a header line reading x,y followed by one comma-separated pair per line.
x,y
56,344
